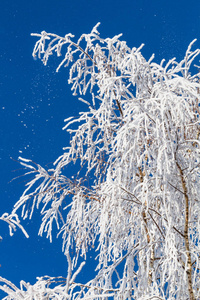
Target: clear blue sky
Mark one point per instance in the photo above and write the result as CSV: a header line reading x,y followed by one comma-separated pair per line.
x,y
34,100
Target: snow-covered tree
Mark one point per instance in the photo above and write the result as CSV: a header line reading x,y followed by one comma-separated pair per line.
x,y
135,194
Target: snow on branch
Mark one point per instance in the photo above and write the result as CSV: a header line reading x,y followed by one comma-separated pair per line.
x,y
134,196
13,221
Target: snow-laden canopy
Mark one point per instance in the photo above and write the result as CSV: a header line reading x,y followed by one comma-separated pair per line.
x,y
135,194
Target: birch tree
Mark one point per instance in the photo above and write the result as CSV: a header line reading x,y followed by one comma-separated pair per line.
x,y
134,196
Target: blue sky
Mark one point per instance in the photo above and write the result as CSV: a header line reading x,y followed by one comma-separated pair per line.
x,y
34,100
